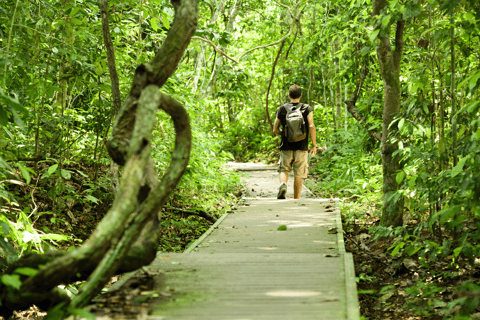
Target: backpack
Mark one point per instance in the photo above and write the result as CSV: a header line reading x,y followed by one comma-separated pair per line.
x,y
295,129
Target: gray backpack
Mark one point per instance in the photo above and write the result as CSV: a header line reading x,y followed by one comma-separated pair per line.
x,y
295,128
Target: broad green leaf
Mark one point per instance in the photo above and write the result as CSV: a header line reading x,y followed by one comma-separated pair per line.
x,y
25,173
12,102
401,123
55,237
5,228
459,167
12,280
92,198
18,121
374,35
52,169
8,250
83,314
400,177
153,23
25,271
74,11
166,23
474,80
365,50
457,251
66,174
397,248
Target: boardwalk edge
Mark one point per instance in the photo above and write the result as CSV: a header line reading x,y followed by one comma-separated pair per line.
x,y
353,310
191,247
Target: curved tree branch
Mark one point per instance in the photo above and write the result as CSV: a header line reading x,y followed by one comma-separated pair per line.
x,y
351,104
269,44
139,198
216,48
107,38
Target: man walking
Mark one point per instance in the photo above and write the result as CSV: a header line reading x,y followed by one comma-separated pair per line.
x,y
294,154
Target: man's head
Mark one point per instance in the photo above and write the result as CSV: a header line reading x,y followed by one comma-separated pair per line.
x,y
295,91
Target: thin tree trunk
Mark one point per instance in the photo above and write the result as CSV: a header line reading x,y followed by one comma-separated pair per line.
x,y
453,90
200,59
389,61
334,104
325,106
117,103
267,113
40,115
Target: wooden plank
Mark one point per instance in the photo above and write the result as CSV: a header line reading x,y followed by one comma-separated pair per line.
x,y
252,286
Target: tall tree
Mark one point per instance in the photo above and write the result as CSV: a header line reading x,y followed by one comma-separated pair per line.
x,y
389,60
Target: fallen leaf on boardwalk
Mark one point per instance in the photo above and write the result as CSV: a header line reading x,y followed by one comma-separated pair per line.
x,y
282,228
332,230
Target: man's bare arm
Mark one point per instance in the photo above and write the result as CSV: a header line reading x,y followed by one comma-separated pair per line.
x,y
313,134
276,127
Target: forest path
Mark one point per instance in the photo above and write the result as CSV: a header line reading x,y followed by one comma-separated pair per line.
x,y
244,268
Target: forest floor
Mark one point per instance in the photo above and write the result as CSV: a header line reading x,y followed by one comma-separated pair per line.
x,y
384,283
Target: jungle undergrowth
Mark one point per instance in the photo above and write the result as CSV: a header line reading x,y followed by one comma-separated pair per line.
x,y
408,272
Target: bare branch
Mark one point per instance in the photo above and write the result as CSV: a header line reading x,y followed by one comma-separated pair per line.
x,y
352,107
282,5
268,45
215,47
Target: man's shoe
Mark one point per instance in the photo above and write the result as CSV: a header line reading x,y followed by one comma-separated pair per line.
x,y
282,191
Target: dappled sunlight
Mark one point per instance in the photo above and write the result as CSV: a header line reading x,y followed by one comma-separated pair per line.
x,y
304,224
292,294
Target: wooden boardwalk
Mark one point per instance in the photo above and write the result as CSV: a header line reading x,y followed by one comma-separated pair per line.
x,y
244,268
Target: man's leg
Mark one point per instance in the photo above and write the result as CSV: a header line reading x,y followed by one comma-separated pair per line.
x,y
283,177
297,187
300,170
284,170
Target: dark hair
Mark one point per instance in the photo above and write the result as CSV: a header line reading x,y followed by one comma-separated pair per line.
x,y
295,91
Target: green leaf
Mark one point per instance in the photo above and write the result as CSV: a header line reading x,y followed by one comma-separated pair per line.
x,y
457,251
55,237
9,250
25,173
66,174
5,228
13,103
92,198
166,23
282,228
374,35
400,176
153,23
401,123
365,50
25,271
459,167
12,280
397,248
82,313
52,169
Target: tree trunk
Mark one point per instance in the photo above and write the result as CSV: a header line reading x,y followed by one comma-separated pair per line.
x,y
127,237
267,113
200,60
389,61
219,59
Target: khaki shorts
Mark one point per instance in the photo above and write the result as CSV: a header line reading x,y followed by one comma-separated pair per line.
x,y
294,158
